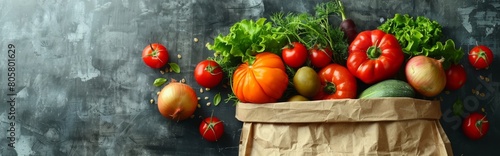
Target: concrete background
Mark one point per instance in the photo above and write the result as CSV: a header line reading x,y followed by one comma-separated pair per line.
x,y
82,89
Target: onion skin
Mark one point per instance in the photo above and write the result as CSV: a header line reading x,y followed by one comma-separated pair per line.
x,y
177,101
426,75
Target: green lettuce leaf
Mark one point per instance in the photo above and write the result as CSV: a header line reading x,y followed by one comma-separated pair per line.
x,y
246,39
422,36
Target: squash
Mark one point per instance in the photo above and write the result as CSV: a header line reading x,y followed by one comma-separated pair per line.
x,y
388,88
261,81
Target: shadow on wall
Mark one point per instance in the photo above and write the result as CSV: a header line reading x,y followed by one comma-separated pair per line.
x,y
481,21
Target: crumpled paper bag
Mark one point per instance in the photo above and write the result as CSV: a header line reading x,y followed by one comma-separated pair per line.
x,y
385,126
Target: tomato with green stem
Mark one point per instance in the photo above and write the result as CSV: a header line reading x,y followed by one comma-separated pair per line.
x,y
211,128
208,73
294,55
475,126
155,55
320,56
337,83
480,57
455,77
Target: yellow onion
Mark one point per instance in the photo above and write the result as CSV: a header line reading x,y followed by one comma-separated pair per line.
x,y
426,75
177,101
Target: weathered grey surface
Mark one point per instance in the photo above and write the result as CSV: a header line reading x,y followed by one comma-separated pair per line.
x,y
82,88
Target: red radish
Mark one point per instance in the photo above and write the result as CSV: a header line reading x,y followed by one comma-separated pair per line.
x,y
177,101
426,75
347,25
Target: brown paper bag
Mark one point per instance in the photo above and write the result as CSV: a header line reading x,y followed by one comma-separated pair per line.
x,y
385,126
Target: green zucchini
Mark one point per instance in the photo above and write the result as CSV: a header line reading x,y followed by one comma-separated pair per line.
x,y
388,88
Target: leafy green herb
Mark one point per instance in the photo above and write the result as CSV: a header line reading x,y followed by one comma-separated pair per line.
x,y
246,39
231,98
315,30
458,107
217,99
159,81
175,67
422,36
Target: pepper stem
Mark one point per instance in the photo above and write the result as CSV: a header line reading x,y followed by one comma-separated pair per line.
x,y
374,52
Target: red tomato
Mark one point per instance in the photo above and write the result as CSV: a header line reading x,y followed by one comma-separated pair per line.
x,y
208,73
337,83
374,56
320,57
155,55
480,57
475,126
455,77
211,129
294,55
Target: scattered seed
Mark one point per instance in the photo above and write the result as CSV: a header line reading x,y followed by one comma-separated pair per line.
x,y
195,40
206,97
199,106
157,93
482,94
183,80
207,89
477,92
201,90
208,103
192,116
166,70
199,98
447,92
200,117
473,91
482,109
162,72
170,70
487,79
152,101
179,56
481,77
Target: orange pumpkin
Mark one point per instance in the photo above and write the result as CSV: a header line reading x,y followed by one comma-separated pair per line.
x,y
264,81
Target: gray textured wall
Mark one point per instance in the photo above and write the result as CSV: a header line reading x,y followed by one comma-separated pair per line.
x,y
82,89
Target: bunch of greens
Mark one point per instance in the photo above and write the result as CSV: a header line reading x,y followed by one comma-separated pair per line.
x,y
246,39
315,30
422,36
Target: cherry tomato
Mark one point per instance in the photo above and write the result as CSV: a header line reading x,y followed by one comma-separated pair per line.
x,y
294,55
211,128
455,77
155,55
320,57
208,73
480,57
475,126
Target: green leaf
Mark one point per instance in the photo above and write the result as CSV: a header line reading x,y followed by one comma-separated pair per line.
x,y
458,107
217,99
175,67
421,36
159,81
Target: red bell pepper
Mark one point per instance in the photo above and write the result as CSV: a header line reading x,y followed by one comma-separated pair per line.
x,y
374,56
